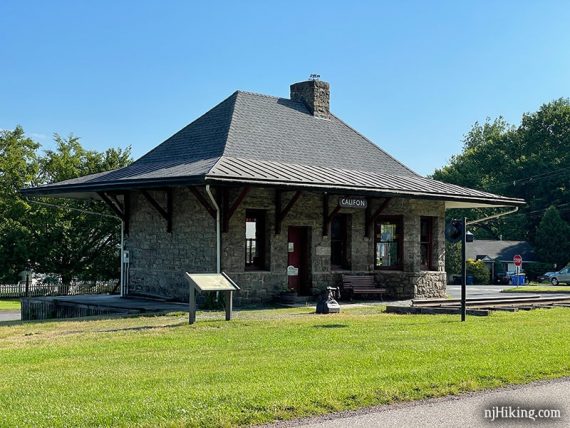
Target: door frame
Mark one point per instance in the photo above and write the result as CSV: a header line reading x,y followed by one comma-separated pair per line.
x,y
305,275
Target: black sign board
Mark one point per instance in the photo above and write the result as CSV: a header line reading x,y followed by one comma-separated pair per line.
x,y
352,202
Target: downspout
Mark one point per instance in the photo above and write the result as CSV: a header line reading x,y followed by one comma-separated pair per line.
x,y
218,230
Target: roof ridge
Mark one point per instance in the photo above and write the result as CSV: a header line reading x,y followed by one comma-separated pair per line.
x,y
375,145
262,95
228,140
156,148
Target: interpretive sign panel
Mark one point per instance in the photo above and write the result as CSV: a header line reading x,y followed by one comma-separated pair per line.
x,y
218,282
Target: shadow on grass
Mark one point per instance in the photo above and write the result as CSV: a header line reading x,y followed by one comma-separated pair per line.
x,y
331,326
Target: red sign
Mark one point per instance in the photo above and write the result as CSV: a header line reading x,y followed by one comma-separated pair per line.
x,y
517,260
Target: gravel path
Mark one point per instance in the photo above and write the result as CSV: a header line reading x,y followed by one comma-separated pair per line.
x,y
465,410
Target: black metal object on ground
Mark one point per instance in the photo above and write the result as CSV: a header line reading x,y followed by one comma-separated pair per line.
x,y
327,303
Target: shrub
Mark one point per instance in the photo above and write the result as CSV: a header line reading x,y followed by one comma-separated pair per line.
x,y
533,270
479,270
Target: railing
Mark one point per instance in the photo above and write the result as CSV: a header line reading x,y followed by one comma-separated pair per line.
x,y
37,289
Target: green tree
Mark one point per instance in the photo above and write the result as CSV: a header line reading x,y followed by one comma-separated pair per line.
x,y
529,162
56,240
18,168
553,238
453,258
87,244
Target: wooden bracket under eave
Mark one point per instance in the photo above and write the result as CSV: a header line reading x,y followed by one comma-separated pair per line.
x,y
202,199
369,220
327,218
121,210
227,210
165,213
281,214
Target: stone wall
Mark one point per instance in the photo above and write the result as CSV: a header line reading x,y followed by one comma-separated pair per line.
x,y
159,259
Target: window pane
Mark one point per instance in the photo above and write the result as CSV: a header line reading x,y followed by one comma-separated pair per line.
x,y
339,242
426,246
425,255
388,244
255,239
250,228
425,230
386,254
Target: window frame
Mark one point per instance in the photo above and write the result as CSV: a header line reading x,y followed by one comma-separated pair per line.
x,y
345,220
429,243
398,220
260,241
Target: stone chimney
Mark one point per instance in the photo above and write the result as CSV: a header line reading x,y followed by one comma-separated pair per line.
x,y
315,94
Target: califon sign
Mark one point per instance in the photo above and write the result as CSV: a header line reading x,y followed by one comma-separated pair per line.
x,y
352,202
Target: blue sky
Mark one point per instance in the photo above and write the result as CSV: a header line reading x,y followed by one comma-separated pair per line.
x,y
412,76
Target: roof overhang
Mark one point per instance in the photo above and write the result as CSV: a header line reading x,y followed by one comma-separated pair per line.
x,y
451,201
455,204
90,191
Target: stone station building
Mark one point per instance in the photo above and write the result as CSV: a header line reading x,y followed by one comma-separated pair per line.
x,y
281,195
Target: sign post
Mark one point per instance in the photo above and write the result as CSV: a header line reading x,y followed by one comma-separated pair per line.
x,y
517,260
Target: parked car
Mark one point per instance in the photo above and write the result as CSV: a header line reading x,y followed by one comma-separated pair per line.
x,y
562,275
545,277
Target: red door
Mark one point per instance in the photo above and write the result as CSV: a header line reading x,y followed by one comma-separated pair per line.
x,y
297,259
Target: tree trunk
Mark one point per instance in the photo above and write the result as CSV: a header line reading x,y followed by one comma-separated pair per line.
x,y
65,283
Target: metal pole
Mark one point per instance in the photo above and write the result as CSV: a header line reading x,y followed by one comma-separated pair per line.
x,y
463,271
192,305
27,283
122,258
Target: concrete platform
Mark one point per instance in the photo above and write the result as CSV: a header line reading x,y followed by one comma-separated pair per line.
x,y
39,308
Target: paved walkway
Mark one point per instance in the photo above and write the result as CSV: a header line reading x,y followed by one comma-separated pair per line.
x,y
467,410
9,316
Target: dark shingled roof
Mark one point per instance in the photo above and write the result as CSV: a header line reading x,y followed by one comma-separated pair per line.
x,y
500,250
253,138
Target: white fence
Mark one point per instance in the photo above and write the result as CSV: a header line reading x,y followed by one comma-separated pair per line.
x,y
36,289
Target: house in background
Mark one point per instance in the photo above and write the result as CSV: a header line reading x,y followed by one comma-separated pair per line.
x,y
491,252
280,194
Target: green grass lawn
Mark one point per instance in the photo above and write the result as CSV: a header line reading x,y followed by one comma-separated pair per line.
x,y
264,365
538,289
9,305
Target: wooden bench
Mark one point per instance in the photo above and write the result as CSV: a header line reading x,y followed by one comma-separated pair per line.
x,y
360,284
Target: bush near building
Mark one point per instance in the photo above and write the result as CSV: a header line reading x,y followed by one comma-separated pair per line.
x,y
533,270
479,270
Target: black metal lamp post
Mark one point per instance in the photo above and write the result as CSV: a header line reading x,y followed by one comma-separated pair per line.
x,y
456,231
